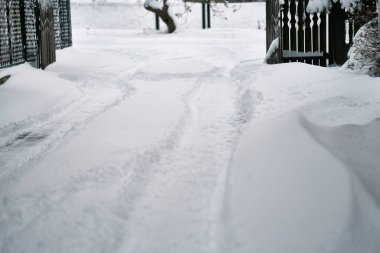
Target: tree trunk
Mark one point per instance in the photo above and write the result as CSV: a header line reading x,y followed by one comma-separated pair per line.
x,y
164,15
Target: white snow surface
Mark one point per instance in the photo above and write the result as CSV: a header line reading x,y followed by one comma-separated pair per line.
x,y
140,141
154,4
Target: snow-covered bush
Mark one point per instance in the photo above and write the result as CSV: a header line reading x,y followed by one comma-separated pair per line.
x,y
364,55
365,13
350,6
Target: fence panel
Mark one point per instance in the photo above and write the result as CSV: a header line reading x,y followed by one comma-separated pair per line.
x,y
62,23
5,56
14,17
314,38
57,24
303,34
18,40
31,48
65,23
27,28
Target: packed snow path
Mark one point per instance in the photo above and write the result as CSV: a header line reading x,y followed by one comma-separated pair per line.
x,y
140,155
145,142
183,186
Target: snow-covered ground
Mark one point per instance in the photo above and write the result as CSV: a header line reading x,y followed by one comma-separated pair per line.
x,y
139,141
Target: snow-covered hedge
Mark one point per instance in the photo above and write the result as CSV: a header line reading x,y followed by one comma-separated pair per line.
x,y
364,55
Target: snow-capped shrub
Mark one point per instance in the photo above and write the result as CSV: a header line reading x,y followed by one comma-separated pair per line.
x,y
364,55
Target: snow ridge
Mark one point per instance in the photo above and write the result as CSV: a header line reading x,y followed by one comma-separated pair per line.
x,y
36,136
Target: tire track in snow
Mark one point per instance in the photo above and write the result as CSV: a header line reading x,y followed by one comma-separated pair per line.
x,y
24,213
24,146
178,207
186,170
50,207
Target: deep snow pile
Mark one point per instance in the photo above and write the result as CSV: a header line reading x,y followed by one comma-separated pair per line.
x,y
309,160
29,101
138,141
364,55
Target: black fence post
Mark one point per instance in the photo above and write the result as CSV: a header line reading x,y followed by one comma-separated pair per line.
x,y
9,33
203,15
37,12
280,39
157,22
23,31
208,14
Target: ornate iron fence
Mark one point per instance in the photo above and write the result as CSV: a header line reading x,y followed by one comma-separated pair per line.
x,y
62,23
315,38
31,30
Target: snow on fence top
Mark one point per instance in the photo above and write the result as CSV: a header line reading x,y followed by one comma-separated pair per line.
x,y
315,6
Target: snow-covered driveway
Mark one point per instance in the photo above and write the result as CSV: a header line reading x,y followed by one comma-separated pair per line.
x,y
136,141
139,155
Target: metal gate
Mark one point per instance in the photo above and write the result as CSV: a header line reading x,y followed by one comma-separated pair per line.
x,y
315,38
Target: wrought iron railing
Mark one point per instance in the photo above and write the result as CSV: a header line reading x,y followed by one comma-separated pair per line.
x,y
27,33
